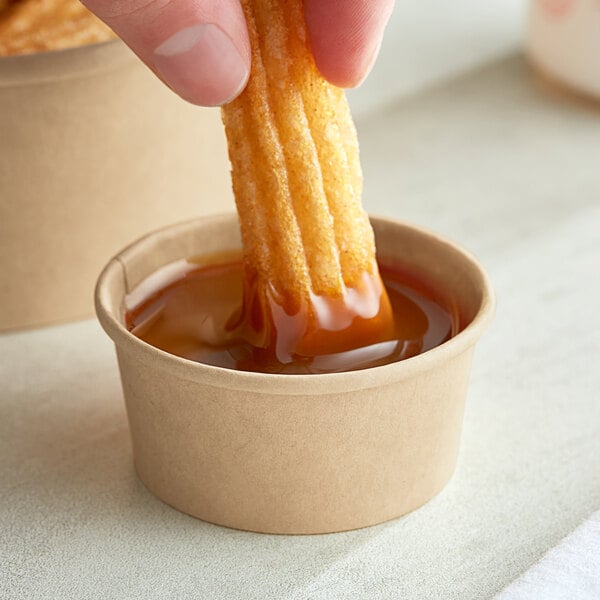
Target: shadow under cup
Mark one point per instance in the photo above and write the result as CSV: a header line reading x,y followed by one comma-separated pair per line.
x,y
296,453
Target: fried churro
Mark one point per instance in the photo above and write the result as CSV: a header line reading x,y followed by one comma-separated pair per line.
x,y
28,26
312,285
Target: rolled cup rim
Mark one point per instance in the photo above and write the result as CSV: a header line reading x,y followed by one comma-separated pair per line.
x,y
285,384
59,65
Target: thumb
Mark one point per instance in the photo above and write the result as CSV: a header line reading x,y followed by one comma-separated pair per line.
x,y
199,48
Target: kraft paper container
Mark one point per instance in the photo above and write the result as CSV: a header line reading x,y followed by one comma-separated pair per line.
x,y
295,453
563,43
94,151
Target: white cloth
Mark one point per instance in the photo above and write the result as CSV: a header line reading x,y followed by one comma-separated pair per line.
x,y
570,571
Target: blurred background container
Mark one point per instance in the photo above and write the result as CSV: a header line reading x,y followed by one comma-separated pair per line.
x,y
564,42
94,152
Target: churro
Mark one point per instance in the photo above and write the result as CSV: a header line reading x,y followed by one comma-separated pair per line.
x,y
28,26
309,249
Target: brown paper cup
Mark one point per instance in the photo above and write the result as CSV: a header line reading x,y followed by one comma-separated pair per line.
x,y
295,453
95,151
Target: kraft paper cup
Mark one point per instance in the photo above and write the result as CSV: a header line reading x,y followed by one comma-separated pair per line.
x,y
563,42
295,453
95,151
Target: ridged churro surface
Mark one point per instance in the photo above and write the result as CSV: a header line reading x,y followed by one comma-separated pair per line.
x,y
28,26
297,178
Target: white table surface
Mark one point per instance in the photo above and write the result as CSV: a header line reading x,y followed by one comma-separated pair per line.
x,y
490,160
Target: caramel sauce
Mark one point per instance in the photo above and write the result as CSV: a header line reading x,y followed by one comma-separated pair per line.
x,y
195,309
290,328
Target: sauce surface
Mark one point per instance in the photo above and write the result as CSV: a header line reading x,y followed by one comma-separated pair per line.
x,y
191,308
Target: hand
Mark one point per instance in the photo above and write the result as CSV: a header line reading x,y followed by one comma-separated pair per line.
x,y
200,48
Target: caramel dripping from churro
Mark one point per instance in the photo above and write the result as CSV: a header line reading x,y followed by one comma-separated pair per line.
x,y
309,250
183,309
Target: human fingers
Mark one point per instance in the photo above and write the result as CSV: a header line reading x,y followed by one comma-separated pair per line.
x,y
345,36
199,48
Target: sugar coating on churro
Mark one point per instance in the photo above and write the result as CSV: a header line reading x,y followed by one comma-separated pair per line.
x,y
295,166
28,26
296,172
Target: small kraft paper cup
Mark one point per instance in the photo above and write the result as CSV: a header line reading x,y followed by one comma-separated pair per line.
x,y
296,454
563,42
94,152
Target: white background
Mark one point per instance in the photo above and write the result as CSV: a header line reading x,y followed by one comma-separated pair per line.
x,y
431,41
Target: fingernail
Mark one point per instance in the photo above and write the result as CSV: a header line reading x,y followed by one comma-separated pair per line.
x,y
202,65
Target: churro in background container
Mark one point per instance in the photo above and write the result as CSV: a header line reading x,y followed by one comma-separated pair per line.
x,y
94,152
563,42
